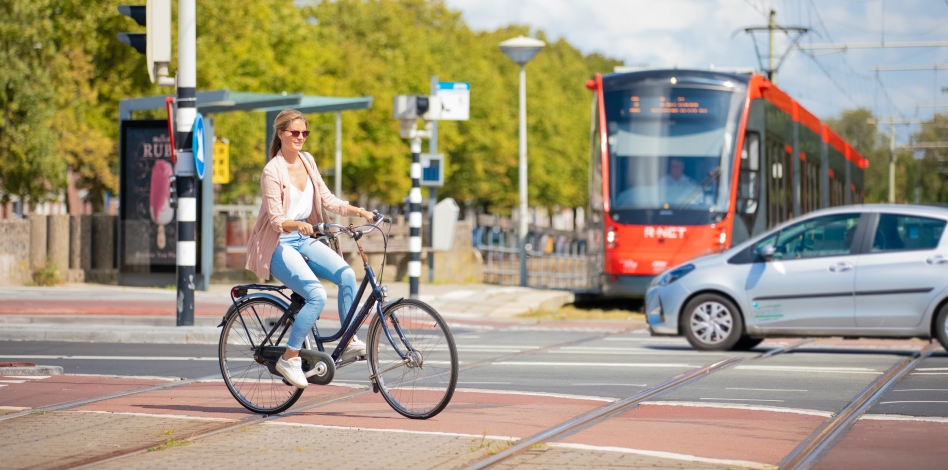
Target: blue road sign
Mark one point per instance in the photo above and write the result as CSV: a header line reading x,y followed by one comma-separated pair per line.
x,y
198,146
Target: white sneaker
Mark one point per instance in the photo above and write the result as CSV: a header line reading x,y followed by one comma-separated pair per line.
x,y
292,371
354,350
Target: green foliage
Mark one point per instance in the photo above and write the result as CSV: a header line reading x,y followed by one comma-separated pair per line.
x,y
59,101
27,95
47,276
920,179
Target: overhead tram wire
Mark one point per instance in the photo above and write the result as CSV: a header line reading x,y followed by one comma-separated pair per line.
x,y
851,74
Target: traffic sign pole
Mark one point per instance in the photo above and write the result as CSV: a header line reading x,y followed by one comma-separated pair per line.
x,y
432,191
185,180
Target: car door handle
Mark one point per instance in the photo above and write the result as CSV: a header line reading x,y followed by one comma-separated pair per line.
x,y
840,267
937,259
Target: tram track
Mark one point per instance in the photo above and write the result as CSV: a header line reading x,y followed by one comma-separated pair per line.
x,y
822,439
85,401
605,412
260,419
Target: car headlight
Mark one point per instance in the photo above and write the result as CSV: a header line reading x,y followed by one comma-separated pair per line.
x,y
671,276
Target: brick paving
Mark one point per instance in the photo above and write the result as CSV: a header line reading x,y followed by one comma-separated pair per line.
x,y
548,457
300,446
59,438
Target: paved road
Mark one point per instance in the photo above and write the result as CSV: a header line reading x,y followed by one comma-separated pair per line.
x,y
753,414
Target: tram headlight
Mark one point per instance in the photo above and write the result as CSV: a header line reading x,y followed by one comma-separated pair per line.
x,y
671,276
611,237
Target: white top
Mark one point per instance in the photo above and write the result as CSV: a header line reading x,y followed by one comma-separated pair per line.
x,y
301,202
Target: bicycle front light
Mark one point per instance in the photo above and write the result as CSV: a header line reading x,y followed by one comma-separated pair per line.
x,y
673,275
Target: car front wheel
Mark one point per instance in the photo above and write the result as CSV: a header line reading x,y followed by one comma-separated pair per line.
x,y
712,323
941,327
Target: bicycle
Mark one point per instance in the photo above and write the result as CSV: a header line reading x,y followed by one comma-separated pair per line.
x,y
403,336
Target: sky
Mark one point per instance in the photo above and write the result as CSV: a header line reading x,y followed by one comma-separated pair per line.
x,y
701,33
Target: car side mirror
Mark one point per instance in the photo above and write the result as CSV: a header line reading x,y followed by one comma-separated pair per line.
x,y
767,252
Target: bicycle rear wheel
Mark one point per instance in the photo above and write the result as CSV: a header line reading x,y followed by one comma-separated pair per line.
x,y
421,385
249,378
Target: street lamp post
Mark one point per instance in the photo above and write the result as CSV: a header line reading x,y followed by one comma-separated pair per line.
x,y
521,50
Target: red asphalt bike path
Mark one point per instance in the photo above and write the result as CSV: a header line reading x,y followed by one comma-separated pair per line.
x,y
730,434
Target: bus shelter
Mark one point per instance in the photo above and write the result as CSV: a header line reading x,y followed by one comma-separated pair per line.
x,y
147,229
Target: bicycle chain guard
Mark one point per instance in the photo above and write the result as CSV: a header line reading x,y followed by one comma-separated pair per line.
x,y
318,366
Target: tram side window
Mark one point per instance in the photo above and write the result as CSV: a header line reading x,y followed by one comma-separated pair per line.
x,y
749,184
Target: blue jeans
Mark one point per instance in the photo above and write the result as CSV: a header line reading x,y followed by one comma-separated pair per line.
x,y
297,262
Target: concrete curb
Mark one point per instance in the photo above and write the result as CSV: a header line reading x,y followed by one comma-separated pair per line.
x,y
111,334
34,370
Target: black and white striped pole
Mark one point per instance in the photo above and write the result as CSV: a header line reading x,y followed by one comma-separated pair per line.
x,y
408,110
186,184
414,219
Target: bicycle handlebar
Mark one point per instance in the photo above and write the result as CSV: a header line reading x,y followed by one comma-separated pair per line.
x,y
323,229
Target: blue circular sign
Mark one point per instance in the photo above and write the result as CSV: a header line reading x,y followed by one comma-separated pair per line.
x,y
198,147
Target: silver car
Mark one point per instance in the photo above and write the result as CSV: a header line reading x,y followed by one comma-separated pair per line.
x,y
855,271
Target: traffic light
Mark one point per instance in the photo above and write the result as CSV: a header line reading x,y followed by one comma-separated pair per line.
x,y
155,16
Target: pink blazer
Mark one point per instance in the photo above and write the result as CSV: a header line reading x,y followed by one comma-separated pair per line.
x,y
275,184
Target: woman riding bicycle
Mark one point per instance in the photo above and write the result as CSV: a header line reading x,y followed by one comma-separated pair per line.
x,y
294,195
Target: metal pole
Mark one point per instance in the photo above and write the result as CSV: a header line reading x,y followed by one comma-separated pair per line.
x,y
432,191
414,220
184,172
771,73
891,159
338,169
523,176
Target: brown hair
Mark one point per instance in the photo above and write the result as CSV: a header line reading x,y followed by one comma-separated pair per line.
x,y
281,122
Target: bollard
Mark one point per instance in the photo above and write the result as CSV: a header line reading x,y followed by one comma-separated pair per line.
x,y
103,241
57,242
37,241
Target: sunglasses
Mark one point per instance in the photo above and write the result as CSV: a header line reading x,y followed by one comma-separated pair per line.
x,y
297,133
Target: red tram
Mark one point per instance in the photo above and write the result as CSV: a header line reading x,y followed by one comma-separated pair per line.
x,y
686,163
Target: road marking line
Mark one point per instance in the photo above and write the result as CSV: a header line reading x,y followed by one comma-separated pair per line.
x,y
399,431
2,385
26,377
765,389
487,383
928,369
738,406
923,390
912,401
12,381
929,419
536,394
594,364
930,373
154,415
834,370
605,384
740,399
120,358
665,455
643,352
650,340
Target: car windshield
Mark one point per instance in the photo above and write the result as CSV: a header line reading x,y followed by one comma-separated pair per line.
x,y
669,147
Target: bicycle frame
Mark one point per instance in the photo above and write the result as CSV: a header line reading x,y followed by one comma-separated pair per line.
x,y
345,333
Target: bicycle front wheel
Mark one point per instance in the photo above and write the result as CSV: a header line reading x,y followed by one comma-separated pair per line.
x,y
250,378
420,384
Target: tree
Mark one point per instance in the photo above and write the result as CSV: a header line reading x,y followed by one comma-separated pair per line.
x,y
930,170
29,167
854,127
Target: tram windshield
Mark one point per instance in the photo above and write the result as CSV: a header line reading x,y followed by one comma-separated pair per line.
x,y
670,149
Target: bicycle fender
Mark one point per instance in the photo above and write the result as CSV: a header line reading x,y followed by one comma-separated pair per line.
x,y
392,303
256,295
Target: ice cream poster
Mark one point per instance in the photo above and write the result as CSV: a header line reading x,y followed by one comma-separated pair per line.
x,y
148,220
